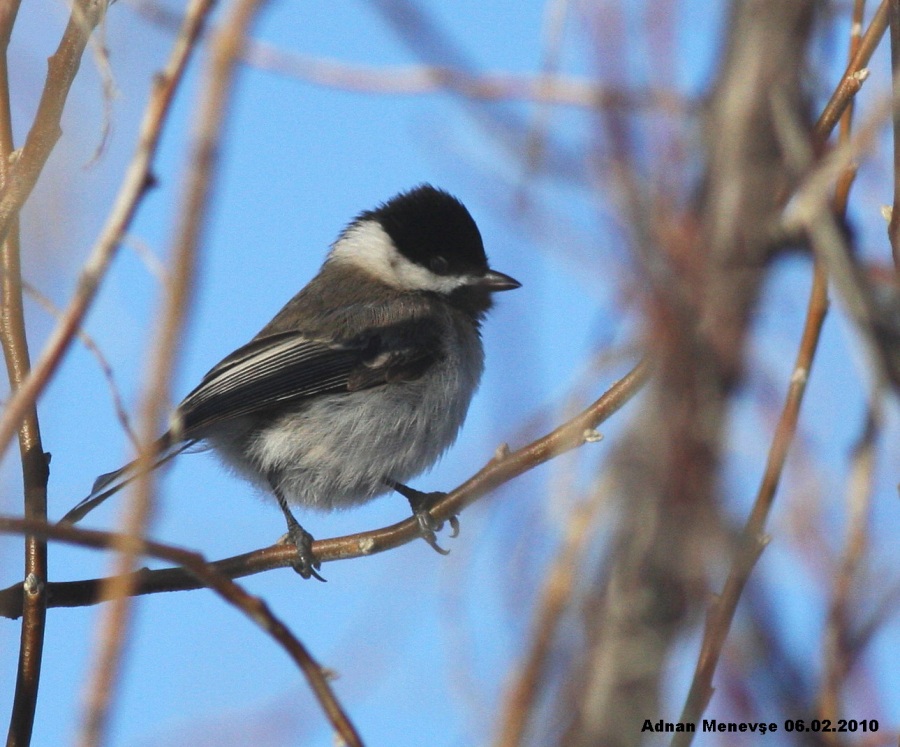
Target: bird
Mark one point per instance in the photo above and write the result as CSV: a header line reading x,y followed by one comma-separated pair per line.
x,y
361,381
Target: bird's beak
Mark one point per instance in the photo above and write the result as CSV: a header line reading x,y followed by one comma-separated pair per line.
x,y
496,281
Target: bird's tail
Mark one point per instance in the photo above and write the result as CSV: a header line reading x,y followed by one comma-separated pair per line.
x,y
112,482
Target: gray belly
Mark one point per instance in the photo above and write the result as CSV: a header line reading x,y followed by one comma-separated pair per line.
x,y
336,451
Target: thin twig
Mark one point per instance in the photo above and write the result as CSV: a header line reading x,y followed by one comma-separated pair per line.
x,y
810,211
93,347
850,81
203,160
100,54
209,577
62,67
137,180
502,468
894,224
840,651
34,463
553,30
856,41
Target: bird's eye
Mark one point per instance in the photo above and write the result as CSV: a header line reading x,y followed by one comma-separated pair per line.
x,y
439,265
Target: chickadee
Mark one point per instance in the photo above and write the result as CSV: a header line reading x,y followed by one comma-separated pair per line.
x,y
362,380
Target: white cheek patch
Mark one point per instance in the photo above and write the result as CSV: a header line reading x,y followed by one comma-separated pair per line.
x,y
367,247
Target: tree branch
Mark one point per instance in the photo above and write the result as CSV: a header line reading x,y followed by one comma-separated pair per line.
x,y
215,96
62,67
752,540
137,180
501,469
208,576
34,463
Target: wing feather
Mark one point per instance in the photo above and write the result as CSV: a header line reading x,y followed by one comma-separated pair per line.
x,y
291,366
266,372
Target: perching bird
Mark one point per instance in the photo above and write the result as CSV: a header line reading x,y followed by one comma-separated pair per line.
x,y
362,380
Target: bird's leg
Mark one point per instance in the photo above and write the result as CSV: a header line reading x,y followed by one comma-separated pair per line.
x,y
421,504
306,565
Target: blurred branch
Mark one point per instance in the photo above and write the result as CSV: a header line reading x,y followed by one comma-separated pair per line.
x,y
851,81
789,688
27,164
559,582
753,539
810,211
207,576
203,160
704,271
100,54
840,648
138,179
894,224
34,462
886,607
552,32
502,468
450,70
545,88
840,652
93,347
549,88
20,171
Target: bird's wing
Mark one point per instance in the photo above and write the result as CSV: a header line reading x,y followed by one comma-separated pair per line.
x,y
280,368
264,373
291,366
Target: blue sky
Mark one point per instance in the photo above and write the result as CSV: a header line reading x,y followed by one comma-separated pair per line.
x,y
420,642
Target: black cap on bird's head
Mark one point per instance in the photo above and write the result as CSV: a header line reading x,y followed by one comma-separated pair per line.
x,y
424,240
433,229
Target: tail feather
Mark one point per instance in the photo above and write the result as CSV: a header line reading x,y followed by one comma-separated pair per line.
x,y
104,486
112,482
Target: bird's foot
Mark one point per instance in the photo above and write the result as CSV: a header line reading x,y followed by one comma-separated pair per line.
x,y
305,564
421,504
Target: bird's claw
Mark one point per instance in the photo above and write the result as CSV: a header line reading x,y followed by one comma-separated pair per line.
x,y
421,504
428,525
305,564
